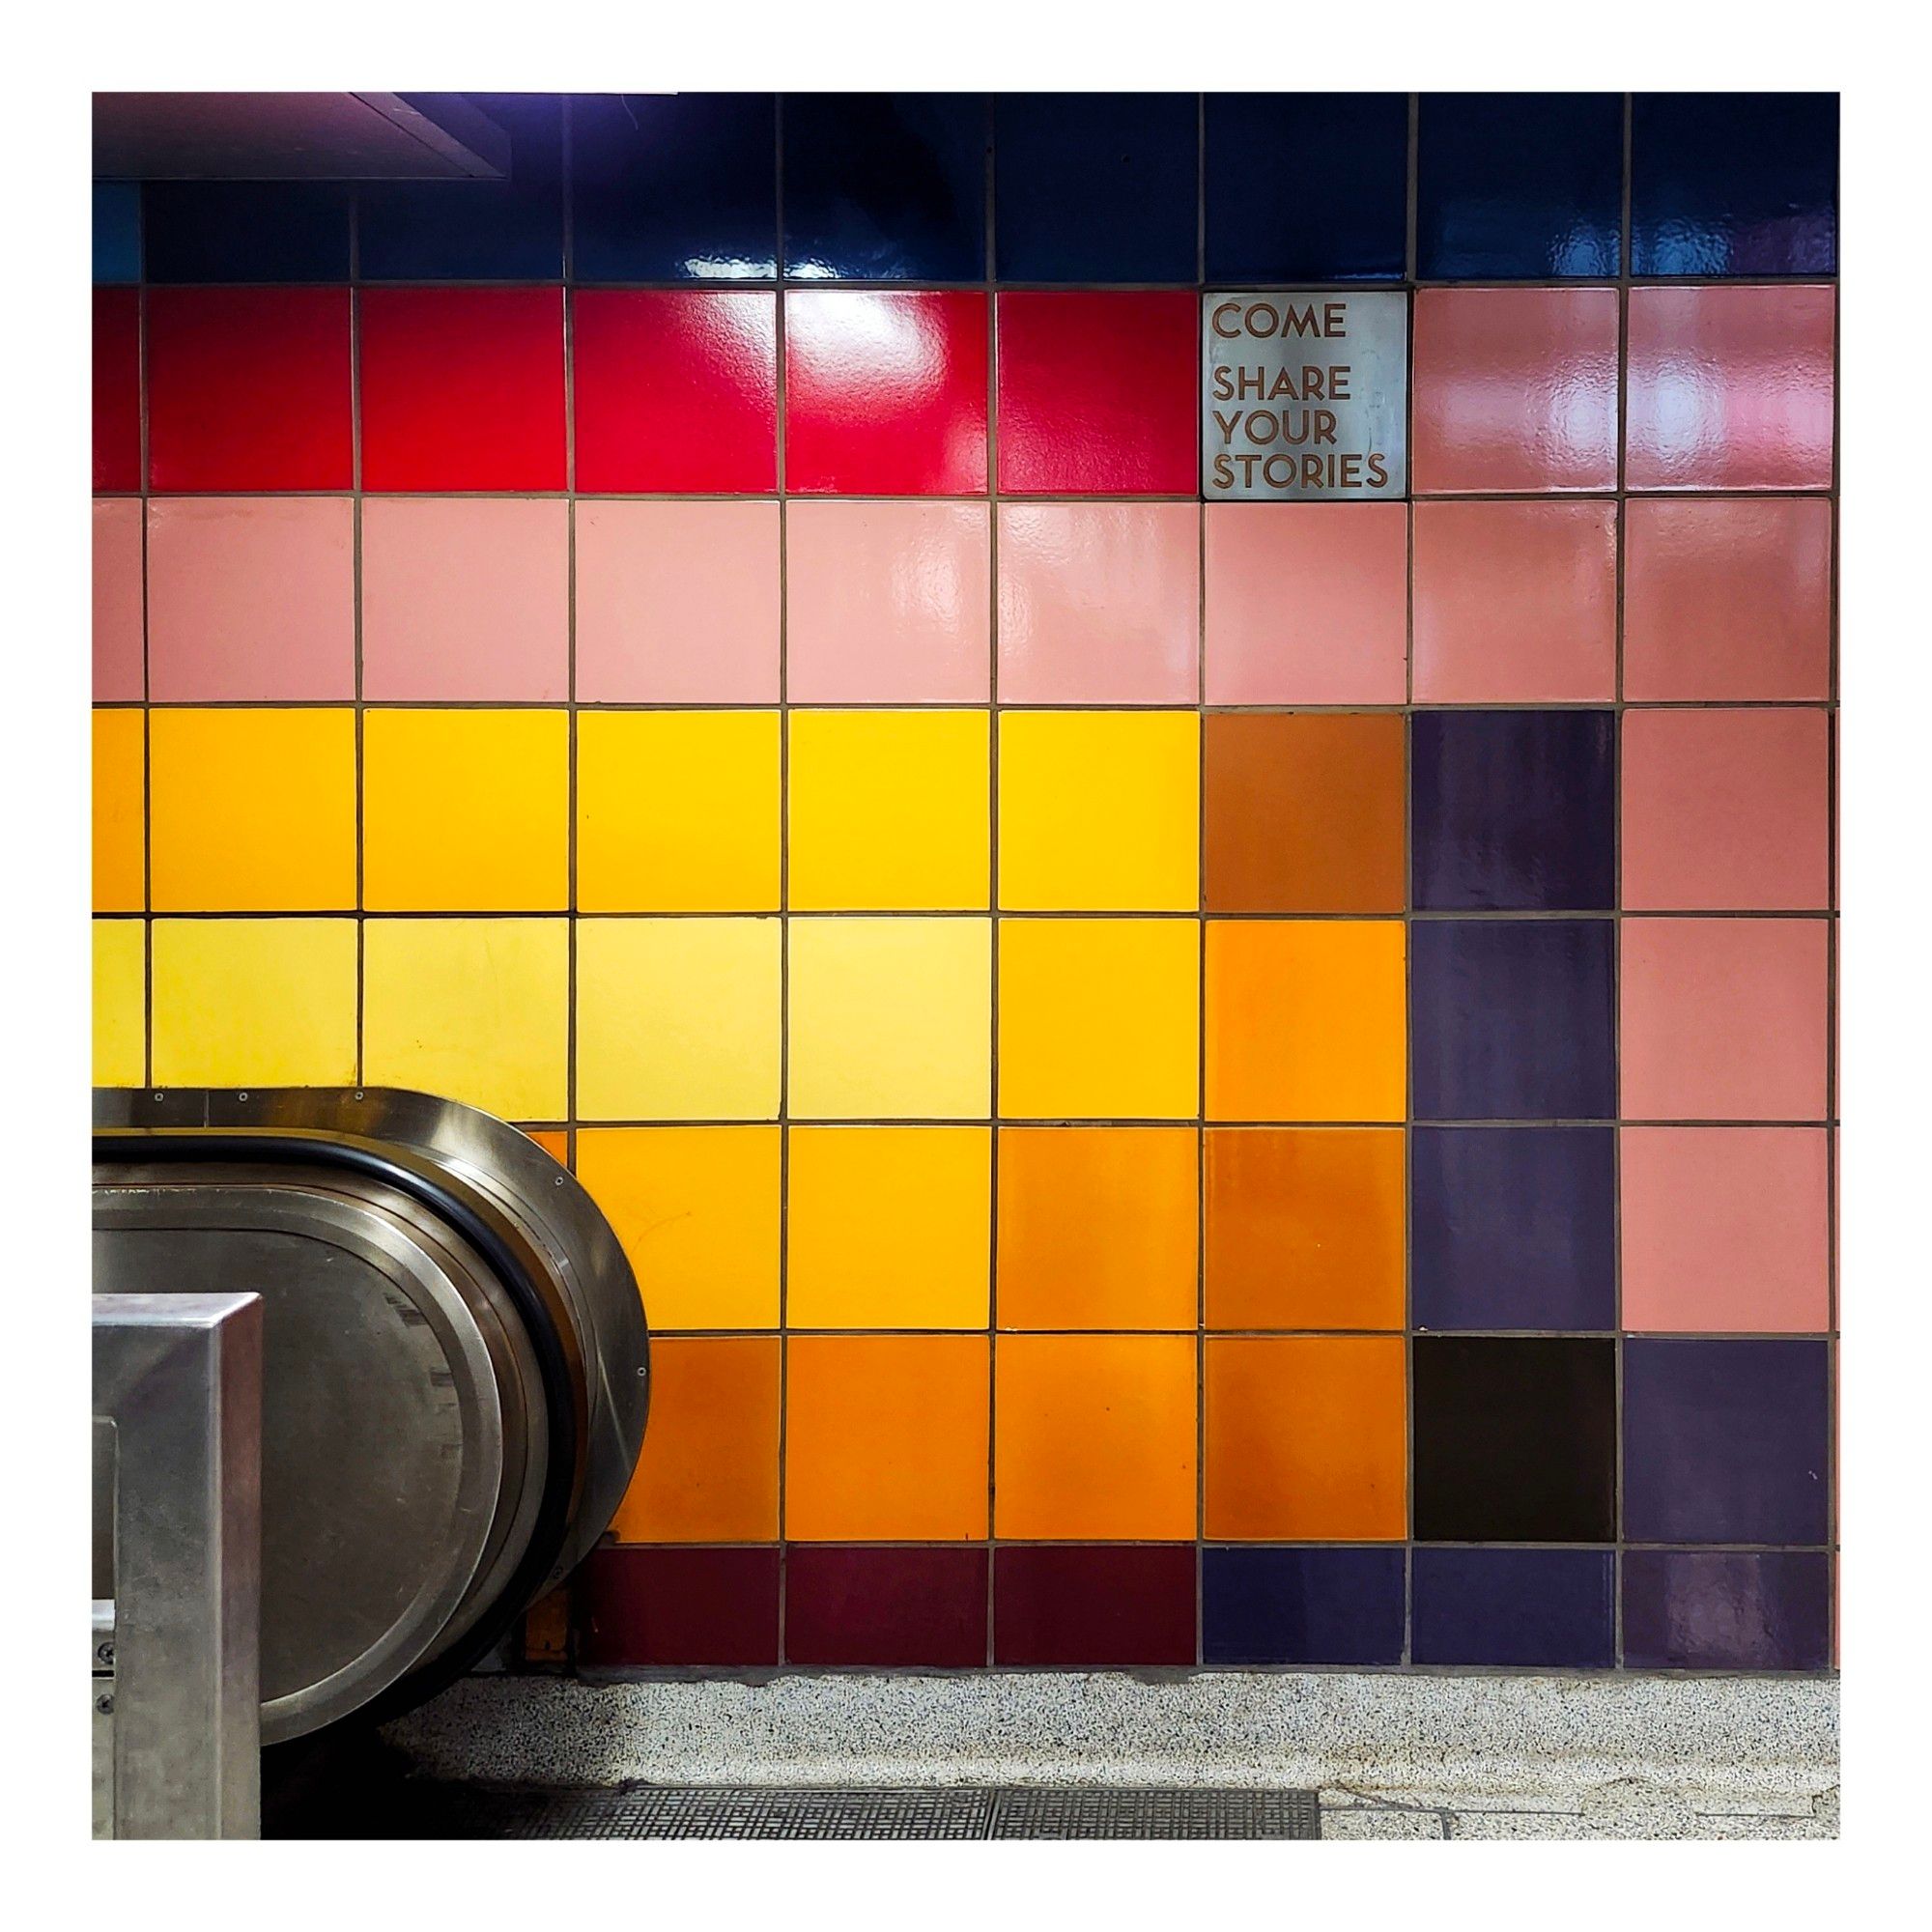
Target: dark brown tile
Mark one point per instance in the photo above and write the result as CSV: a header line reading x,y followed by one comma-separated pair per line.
x,y
672,1607
886,1606
1093,1604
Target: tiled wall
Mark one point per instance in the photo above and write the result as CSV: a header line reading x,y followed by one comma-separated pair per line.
x,y
1230,1083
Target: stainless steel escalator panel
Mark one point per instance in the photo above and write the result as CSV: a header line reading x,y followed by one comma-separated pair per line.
x,y
406,1432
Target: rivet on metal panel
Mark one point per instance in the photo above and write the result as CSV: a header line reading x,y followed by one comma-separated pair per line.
x,y
104,1703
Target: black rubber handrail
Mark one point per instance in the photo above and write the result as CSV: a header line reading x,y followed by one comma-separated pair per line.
x,y
133,1145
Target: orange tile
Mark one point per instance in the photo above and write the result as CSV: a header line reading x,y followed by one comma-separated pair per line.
x,y
1306,1020
120,848
886,1438
1305,1227
1093,1436
709,1470
1307,1439
555,1142
1097,1228
1515,602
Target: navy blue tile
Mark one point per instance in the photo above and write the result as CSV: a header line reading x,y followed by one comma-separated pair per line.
x,y
1728,1609
1307,188
1513,1226
1512,1019
1519,185
673,188
1726,1442
1734,185
475,231
117,232
246,230
1549,1607
1096,188
887,187
1514,811
1302,1605
1514,1438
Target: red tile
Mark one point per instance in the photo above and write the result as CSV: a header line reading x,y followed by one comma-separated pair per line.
x,y
668,1607
248,390
117,389
1515,389
1730,387
675,390
886,1606
461,388
1093,1604
886,392
1098,393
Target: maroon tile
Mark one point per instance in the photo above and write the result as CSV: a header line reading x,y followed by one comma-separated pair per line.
x,y
884,1604
666,1607
117,389
1093,1604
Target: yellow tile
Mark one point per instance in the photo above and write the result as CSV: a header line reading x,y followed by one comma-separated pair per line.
x,y
254,1002
1099,1018
120,1003
465,810
888,1227
696,1209
254,810
889,810
476,1009
890,1020
678,1019
119,811
1099,811
677,811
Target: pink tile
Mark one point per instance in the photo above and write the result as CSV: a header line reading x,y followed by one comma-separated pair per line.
x,y
677,603
117,599
1730,387
1307,602
1725,811
1728,597
889,602
251,598
1725,1231
1515,389
465,598
1722,1019
1515,602
1099,603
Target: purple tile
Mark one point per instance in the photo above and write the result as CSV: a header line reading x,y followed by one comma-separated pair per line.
x,y
666,1607
886,1606
1548,1607
1302,1605
1513,1226
1512,1019
1728,1609
1726,1442
1514,811
1093,1604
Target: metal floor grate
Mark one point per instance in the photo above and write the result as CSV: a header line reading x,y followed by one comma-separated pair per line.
x,y
491,1811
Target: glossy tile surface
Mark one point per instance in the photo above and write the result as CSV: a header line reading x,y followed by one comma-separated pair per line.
x,y
644,1607
675,390
116,374
1515,389
119,773
891,1608
1728,597
1513,1019
1515,602
886,392
1730,387
118,596
1271,218
1514,811
1093,1604
1336,1605
1515,1439
1099,603
119,1043
1519,185
1732,1609
1097,393
244,231
116,232
1303,812
885,187
1542,1608
1734,184
1514,1228
1726,1442
1096,188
